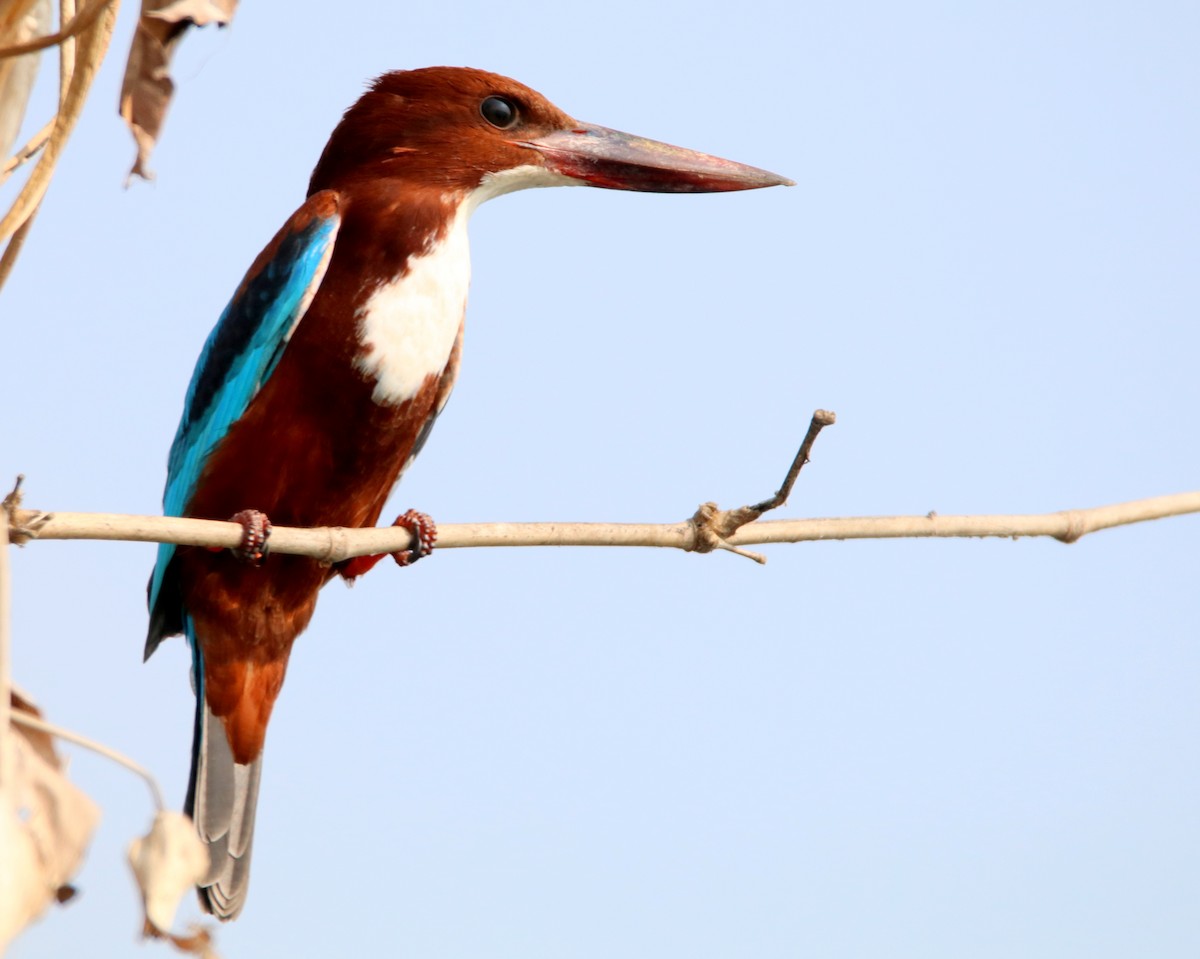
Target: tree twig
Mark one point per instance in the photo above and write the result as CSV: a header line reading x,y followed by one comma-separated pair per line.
x,y
820,419
708,529
27,152
333,544
716,527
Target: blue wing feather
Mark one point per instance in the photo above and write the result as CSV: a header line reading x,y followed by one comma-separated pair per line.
x,y
241,353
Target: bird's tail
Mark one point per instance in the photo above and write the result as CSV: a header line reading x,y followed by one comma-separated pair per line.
x,y
221,798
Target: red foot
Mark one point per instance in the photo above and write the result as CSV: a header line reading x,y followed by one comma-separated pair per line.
x,y
424,532
256,530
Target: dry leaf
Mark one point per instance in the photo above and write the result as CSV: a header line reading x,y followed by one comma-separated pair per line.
x,y
18,23
199,12
147,89
167,863
45,826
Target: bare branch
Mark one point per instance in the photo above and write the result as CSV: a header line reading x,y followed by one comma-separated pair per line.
x,y
1065,526
715,527
334,544
820,419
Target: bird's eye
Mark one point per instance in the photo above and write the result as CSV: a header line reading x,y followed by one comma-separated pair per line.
x,y
499,112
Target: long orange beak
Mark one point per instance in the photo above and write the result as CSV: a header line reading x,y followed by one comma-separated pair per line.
x,y
620,161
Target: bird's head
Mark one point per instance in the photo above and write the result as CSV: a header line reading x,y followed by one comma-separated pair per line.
x,y
459,130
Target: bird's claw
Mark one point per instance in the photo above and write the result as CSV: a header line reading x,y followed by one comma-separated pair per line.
x,y
424,537
424,534
256,530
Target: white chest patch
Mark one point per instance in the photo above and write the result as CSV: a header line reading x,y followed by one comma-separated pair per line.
x,y
409,325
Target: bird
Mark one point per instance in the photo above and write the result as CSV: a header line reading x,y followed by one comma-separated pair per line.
x,y
324,374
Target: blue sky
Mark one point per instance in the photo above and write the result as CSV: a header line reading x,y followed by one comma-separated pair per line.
x,y
988,268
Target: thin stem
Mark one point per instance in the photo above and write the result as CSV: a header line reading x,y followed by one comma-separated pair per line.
x,y
27,152
334,544
820,419
35,722
9,257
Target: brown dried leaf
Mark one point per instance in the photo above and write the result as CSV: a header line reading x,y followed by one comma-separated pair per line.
x,y
45,826
199,12
196,943
147,89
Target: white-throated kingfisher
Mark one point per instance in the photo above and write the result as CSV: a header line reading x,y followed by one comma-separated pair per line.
x,y
322,378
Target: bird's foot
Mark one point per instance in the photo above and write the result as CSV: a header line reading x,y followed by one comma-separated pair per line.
x,y
256,530
424,534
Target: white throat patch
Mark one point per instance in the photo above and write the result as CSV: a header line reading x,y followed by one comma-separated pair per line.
x,y
409,324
